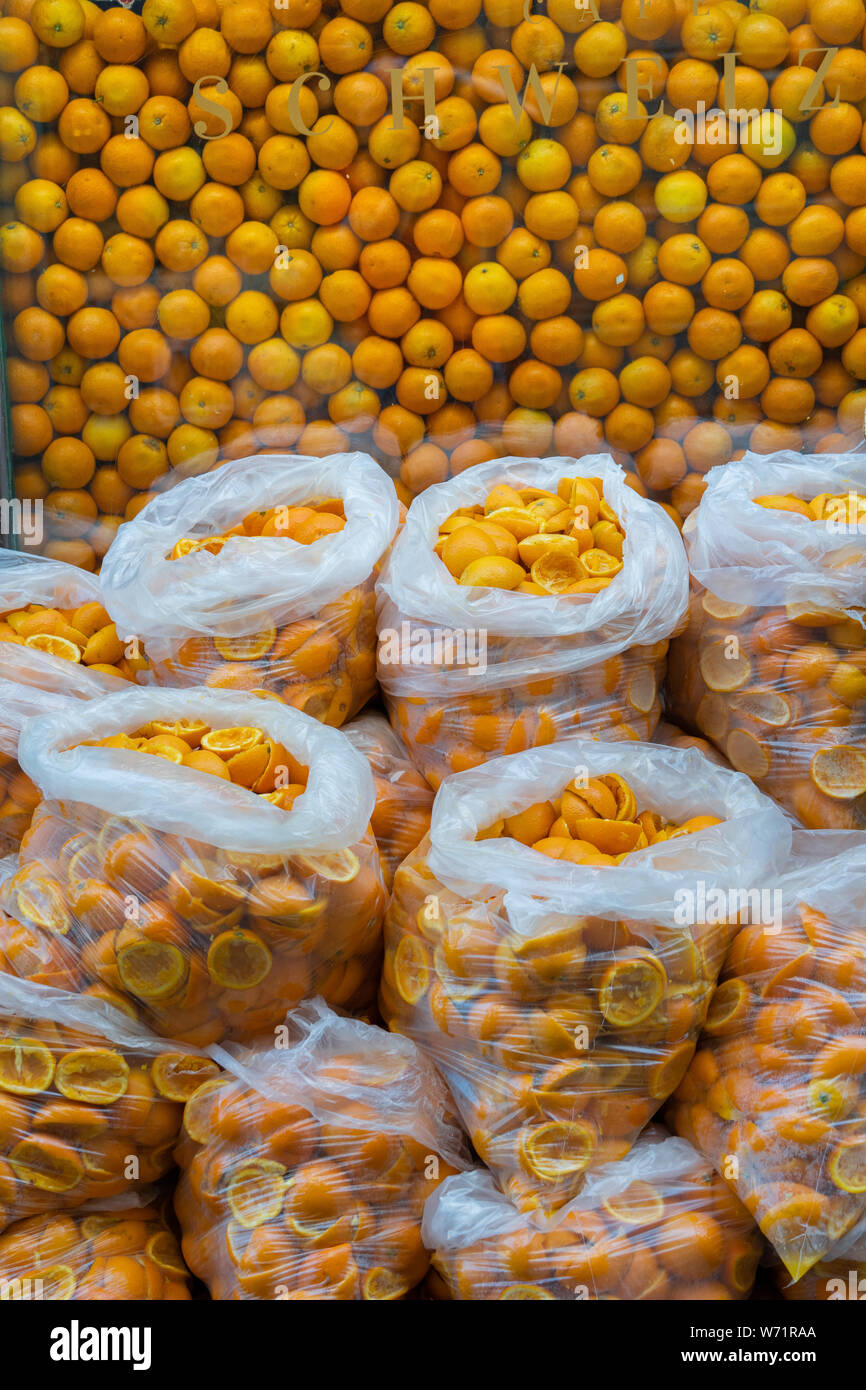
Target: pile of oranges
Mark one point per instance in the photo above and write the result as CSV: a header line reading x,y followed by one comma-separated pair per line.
x,y
74,1108
535,541
94,1257
82,634
443,231
595,821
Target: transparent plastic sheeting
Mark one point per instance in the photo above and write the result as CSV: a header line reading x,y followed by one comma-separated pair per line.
x,y
192,898
657,1225
307,1166
771,665
775,1093
561,1001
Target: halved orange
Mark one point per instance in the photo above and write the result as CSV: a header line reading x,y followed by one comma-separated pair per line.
x,y
178,1075
763,707
55,646
729,1006
556,572
26,1066
600,564
163,1249
40,900
337,866
631,988
411,969
256,1192
228,742
747,754
640,1204
724,666
626,805
641,693
239,959
383,1285
848,1166
77,1123
192,731
610,836
559,1149
47,1163
721,609
93,1075
151,969
247,767
250,648
839,772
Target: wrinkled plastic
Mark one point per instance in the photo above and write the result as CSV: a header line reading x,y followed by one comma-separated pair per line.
x,y
776,1093
535,669
130,853
314,601
401,816
500,961
306,1167
119,1251
658,1225
35,682
770,665
90,1101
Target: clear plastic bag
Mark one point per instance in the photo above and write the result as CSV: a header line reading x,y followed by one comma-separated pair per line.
x,y
90,1102
205,904
307,1166
776,1094
672,737
562,1002
401,816
34,679
656,1225
772,665
120,1251
534,669
480,230
265,612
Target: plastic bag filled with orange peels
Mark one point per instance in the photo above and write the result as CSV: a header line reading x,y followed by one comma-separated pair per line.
x,y
504,670
307,1166
401,816
204,855
772,665
561,991
90,1101
776,1093
58,643
659,1224
121,1249
260,577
